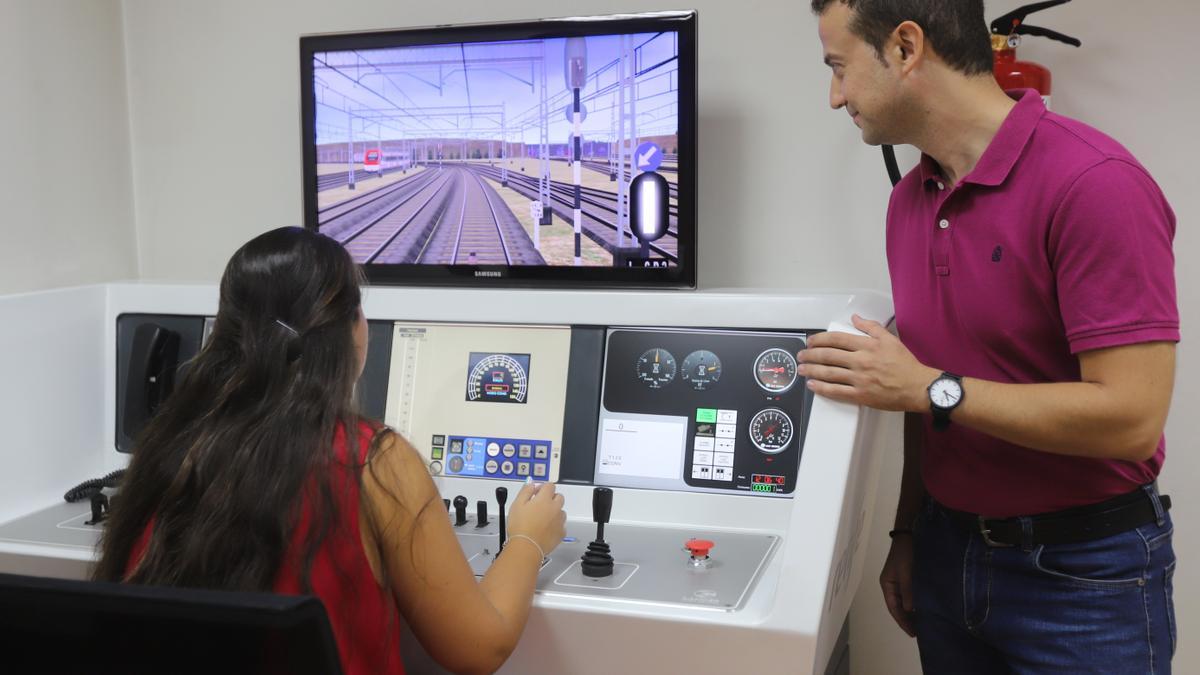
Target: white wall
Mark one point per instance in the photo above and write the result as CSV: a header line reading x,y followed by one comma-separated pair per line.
x,y
788,198
66,193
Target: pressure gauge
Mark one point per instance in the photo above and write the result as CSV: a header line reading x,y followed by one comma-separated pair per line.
x,y
775,370
656,368
701,369
771,430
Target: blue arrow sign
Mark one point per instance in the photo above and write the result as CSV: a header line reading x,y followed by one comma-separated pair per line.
x,y
647,157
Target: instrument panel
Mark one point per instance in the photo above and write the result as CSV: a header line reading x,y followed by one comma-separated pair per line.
x,y
701,410
466,396
670,409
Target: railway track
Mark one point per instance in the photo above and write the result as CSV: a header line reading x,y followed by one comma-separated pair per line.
x,y
369,240
331,218
478,229
450,217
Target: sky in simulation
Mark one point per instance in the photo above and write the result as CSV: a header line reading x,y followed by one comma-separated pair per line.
x,y
489,90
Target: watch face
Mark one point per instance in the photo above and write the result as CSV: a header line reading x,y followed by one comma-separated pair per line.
x,y
945,392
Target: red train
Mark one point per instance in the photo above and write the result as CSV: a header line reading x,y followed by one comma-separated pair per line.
x,y
379,162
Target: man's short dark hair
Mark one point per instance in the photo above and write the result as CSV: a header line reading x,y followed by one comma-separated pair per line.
x,y
955,29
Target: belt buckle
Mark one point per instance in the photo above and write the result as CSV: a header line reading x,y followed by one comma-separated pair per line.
x,y
984,531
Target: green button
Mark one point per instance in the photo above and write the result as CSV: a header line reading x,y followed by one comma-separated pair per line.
x,y
706,414
436,453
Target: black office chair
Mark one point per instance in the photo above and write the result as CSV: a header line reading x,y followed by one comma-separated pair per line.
x,y
78,627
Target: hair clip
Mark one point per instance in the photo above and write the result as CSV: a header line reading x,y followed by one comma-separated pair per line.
x,y
293,347
288,328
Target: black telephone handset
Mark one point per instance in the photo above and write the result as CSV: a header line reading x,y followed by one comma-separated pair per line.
x,y
148,375
153,360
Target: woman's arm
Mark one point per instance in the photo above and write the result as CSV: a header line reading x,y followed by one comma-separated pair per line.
x,y
434,586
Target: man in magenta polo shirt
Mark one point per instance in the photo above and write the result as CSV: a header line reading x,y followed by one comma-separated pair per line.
x,y
1031,266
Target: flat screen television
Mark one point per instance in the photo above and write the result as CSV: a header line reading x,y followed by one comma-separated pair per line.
x,y
535,153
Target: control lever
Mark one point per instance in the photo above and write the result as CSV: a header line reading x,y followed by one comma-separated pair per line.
x,y
460,511
502,499
481,519
446,502
598,561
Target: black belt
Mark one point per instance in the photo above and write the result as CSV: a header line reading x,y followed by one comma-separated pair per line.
x,y
1069,526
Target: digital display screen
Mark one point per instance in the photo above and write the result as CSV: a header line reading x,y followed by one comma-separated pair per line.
x,y
766,483
498,378
521,151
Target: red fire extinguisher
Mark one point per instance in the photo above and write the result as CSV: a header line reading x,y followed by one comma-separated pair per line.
x,y
1006,36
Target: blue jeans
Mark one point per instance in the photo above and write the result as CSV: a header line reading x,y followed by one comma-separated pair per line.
x,y
1101,606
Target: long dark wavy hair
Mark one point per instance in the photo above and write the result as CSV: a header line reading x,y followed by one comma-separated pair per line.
x,y
222,466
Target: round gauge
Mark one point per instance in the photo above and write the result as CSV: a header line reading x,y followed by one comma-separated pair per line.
x,y
497,377
701,369
771,430
775,370
656,368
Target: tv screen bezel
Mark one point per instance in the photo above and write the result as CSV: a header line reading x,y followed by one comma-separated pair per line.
x,y
682,275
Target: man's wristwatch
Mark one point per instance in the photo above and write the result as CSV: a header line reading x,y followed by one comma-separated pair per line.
x,y
945,393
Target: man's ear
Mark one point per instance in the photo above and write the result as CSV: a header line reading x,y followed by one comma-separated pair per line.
x,y
909,41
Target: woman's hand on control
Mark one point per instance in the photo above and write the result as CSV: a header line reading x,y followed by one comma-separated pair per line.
x,y
537,513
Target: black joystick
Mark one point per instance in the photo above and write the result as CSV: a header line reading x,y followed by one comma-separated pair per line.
x,y
460,511
447,503
598,561
502,499
481,519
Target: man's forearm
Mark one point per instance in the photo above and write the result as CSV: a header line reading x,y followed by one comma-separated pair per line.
x,y
1117,411
1069,418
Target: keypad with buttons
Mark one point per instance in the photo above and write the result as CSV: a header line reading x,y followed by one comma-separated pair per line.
x,y
478,457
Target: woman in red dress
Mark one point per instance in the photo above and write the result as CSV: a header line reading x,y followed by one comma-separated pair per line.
x,y
257,474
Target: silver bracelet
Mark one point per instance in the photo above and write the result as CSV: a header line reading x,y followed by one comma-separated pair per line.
x,y
530,540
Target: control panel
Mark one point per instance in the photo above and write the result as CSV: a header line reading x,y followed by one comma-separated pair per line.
x,y
684,410
701,411
480,400
689,410
687,567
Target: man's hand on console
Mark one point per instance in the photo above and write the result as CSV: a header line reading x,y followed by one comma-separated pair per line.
x,y
874,370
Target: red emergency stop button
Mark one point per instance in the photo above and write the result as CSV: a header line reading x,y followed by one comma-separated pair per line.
x,y
699,548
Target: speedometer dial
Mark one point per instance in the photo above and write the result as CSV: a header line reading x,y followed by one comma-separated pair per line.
x,y
771,430
498,377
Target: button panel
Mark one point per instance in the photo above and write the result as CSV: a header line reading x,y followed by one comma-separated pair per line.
x,y
713,456
511,458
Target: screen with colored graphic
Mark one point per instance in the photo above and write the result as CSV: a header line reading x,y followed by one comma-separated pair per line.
x,y
556,150
499,378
